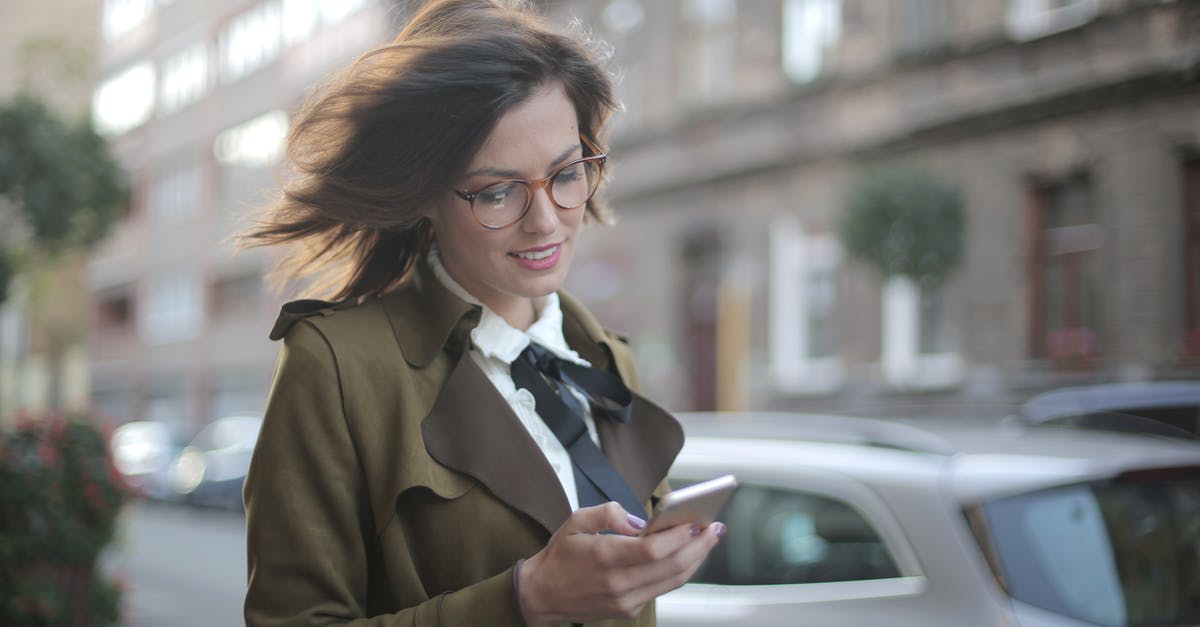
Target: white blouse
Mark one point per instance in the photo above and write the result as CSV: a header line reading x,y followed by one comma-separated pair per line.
x,y
495,344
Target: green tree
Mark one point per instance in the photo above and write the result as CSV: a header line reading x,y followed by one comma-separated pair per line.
x,y
904,221
60,191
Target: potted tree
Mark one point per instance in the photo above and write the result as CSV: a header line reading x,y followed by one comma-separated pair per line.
x,y
909,226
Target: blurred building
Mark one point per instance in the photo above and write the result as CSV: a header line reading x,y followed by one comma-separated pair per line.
x,y
43,359
196,98
1069,126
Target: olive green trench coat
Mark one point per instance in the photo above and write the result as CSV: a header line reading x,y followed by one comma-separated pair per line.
x,y
393,485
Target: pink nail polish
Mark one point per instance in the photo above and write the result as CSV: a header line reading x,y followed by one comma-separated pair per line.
x,y
696,530
721,529
635,522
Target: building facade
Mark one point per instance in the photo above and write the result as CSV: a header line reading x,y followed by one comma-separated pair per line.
x,y
1069,127
43,357
196,97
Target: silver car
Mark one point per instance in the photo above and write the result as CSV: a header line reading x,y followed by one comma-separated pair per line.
x,y
844,521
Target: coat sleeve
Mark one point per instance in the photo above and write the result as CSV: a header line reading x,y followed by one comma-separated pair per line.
x,y
309,527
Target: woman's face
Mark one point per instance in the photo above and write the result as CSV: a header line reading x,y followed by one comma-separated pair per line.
x,y
508,267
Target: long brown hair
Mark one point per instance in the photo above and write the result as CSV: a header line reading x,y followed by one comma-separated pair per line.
x,y
372,148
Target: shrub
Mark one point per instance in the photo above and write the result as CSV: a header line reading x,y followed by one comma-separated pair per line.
x,y
59,500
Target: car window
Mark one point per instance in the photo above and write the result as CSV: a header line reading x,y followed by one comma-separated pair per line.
x,y
779,536
1119,553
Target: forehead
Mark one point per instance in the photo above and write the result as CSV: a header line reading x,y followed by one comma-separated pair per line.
x,y
531,132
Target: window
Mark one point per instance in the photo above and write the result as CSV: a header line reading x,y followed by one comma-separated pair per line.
x,y
250,41
237,293
811,29
121,16
1065,301
1191,256
176,193
254,143
301,18
804,309
920,334
1031,19
173,308
779,536
920,26
184,78
709,51
124,101
1121,552
114,309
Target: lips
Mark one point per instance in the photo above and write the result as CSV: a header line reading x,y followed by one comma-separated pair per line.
x,y
538,258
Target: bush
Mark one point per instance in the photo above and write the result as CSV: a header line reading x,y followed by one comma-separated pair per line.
x,y
59,500
904,221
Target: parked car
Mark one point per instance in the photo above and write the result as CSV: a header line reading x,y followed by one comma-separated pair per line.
x,y
142,452
850,521
210,470
1173,405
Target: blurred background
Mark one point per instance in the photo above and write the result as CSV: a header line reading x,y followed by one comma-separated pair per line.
x,y
772,171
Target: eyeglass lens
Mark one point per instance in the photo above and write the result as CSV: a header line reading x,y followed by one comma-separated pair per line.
x,y
505,202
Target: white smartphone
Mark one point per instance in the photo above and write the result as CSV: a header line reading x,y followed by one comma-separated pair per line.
x,y
698,504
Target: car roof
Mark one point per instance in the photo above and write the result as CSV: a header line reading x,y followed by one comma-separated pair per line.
x,y
1112,397
975,459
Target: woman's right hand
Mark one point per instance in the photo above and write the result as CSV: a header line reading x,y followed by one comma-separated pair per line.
x,y
583,575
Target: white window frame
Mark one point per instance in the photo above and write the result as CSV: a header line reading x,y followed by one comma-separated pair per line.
x,y
794,254
173,310
1031,19
250,41
901,361
710,51
811,31
185,77
125,101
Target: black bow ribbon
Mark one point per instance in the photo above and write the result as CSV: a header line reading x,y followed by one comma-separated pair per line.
x,y
550,380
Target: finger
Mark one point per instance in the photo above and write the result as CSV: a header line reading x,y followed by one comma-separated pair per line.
x,y
674,569
626,552
605,517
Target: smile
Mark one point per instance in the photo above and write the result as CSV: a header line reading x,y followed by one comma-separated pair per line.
x,y
539,259
536,255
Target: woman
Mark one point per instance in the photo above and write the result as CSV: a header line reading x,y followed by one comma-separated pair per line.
x,y
417,464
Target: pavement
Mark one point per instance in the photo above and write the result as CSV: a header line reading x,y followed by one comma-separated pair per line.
x,y
182,567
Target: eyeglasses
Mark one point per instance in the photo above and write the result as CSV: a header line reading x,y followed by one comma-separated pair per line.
x,y
569,187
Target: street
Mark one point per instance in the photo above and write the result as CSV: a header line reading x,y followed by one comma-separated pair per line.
x,y
183,567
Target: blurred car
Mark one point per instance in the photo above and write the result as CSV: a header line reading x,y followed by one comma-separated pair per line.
x,y
210,470
1173,405
850,521
142,452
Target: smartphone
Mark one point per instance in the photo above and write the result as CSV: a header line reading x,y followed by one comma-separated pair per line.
x,y
696,504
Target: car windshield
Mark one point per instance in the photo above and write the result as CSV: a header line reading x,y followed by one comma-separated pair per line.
x,y
1124,552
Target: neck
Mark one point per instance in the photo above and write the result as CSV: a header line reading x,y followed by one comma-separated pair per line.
x,y
520,314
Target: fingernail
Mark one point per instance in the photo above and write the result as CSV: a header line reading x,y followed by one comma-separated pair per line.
x,y
635,522
696,530
721,529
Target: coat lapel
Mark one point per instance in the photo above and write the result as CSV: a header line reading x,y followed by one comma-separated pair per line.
x,y
643,449
472,429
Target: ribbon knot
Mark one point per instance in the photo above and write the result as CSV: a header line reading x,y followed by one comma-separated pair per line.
x,y
551,380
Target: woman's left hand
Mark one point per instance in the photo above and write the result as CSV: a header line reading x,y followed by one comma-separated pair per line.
x,y
583,575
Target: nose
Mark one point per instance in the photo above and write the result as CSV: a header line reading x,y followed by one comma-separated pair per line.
x,y
543,214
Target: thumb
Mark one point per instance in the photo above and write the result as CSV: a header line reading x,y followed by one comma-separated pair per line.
x,y
609,516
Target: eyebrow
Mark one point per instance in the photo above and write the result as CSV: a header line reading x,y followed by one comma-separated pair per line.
x,y
512,174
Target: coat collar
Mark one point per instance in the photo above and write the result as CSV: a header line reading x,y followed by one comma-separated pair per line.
x,y
472,430
428,318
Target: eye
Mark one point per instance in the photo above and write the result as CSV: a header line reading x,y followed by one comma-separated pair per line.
x,y
497,194
571,174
